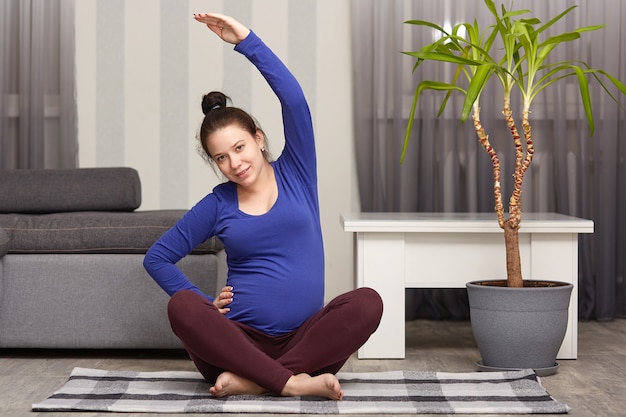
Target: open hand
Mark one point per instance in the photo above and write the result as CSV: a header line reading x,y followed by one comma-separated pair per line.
x,y
225,27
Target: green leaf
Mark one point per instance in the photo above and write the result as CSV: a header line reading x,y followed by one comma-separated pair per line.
x,y
424,85
613,80
476,86
428,24
589,28
443,57
532,21
555,19
492,7
620,85
455,79
491,38
584,95
563,37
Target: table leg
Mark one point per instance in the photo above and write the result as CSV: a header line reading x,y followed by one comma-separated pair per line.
x,y
555,257
381,265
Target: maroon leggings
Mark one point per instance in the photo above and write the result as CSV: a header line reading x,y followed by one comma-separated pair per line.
x,y
322,344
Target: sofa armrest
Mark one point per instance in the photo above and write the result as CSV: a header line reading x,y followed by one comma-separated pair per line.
x,y
4,242
65,190
222,271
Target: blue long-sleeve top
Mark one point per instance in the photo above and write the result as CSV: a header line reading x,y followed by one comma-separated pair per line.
x,y
275,260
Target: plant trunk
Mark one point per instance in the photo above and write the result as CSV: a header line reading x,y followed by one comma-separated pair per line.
x,y
495,161
512,224
513,260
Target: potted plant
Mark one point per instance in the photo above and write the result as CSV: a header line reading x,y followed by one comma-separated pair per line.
x,y
524,65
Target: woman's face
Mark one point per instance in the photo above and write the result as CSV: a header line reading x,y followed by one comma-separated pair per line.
x,y
237,153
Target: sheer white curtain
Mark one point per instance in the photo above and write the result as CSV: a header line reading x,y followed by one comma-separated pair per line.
x,y
446,170
38,108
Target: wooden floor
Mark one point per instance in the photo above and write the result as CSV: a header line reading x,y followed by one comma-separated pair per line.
x,y
593,386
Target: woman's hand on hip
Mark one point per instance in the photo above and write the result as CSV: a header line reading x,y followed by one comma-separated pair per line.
x,y
225,27
223,299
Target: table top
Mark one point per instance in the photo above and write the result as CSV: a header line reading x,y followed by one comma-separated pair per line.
x,y
460,223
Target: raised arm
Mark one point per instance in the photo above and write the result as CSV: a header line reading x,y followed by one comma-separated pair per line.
x,y
298,126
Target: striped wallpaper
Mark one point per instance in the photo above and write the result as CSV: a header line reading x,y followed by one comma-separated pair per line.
x,y
142,67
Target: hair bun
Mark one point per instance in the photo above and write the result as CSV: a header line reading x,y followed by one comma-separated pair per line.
x,y
213,100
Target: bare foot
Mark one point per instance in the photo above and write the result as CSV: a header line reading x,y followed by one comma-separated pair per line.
x,y
230,384
325,385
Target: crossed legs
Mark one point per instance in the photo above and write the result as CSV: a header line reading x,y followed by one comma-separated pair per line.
x,y
241,359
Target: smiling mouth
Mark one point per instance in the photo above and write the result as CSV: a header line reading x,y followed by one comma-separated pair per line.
x,y
242,173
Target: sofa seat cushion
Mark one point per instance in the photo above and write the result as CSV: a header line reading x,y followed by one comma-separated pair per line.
x,y
92,232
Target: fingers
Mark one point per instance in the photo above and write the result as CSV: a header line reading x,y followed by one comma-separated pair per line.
x,y
214,22
214,19
227,292
224,298
223,26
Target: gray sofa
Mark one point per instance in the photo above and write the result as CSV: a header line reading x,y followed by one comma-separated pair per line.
x,y
72,244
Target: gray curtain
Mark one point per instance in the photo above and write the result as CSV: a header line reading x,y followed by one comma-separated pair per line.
x,y
37,94
447,171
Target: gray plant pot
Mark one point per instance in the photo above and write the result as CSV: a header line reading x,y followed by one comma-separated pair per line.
x,y
519,328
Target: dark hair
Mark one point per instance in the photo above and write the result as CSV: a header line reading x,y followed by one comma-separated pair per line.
x,y
218,115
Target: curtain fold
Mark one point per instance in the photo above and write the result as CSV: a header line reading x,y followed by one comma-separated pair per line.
x,y
446,170
38,107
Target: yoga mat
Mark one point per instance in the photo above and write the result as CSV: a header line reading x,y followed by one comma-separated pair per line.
x,y
392,392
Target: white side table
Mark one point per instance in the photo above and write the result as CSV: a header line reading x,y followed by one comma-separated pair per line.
x,y
395,251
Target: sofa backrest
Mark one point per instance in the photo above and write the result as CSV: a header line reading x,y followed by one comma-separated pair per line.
x,y
63,190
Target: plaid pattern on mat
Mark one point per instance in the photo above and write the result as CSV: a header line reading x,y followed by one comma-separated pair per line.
x,y
394,392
